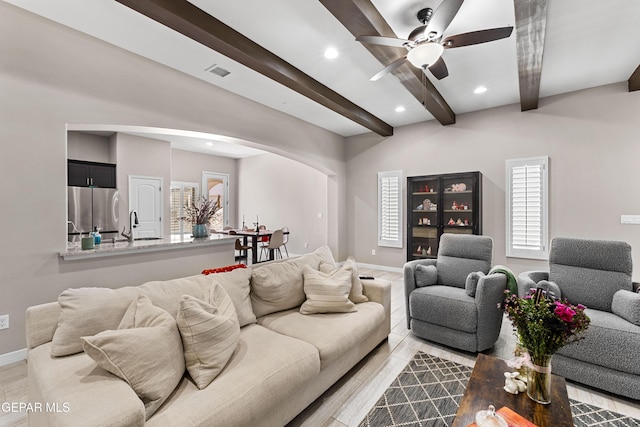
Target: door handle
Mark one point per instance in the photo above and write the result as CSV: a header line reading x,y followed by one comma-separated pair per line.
x,y
88,182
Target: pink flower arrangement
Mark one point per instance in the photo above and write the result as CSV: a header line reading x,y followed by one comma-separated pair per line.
x,y
544,323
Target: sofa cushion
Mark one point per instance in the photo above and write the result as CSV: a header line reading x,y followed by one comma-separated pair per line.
x,y
166,294
78,382
278,286
88,311
145,351
426,275
327,292
209,332
609,341
356,294
444,306
459,255
590,272
263,374
626,304
237,285
333,334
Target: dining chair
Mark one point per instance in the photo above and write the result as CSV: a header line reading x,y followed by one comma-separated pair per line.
x,y
274,244
243,251
285,239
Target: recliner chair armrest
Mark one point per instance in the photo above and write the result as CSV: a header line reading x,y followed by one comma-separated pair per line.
x,y
529,279
409,278
490,290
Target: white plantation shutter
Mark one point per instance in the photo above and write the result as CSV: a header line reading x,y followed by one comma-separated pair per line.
x,y
527,211
390,209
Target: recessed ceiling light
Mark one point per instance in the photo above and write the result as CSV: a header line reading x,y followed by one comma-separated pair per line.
x,y
331,53
400,109
209,144
480,89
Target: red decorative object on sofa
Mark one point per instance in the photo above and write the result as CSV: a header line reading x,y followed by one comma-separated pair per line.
x,y
225,269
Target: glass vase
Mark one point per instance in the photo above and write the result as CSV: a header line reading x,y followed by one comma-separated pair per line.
x,y
539,379
200,230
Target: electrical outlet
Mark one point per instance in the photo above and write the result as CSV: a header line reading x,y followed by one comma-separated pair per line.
x,y
373,251
4,321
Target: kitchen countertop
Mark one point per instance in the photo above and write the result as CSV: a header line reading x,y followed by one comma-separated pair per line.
x,y
74,251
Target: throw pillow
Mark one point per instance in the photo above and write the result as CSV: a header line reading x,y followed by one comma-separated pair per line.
x,y
88,311
210,334
471,284
426,275
626,304
357,293
145,351
225,269
327,293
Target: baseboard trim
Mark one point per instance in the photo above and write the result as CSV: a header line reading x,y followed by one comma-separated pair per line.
x,y
13,357
380,267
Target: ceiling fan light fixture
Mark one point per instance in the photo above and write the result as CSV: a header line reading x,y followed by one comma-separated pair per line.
x,y
425,54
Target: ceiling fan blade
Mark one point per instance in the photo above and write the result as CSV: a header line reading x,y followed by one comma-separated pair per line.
x,y
443,16
384,41
476,37
389,68
439,69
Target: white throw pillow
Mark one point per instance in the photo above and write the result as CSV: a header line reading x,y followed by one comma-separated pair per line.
x,y
327,293
210,334
145,351
356,294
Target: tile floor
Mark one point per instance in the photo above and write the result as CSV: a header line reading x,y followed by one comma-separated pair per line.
x,y
349,400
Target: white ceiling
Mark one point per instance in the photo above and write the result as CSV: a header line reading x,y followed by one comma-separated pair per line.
x,y
587,44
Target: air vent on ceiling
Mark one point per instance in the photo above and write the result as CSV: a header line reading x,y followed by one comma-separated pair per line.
x,y
218,71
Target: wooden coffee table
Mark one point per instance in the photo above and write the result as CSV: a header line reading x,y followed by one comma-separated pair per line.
x,y
485,388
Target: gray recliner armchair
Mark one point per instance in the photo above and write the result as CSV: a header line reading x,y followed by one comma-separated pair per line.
x,y
451,300
597,274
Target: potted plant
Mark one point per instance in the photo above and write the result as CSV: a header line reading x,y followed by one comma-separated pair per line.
x,y
200,215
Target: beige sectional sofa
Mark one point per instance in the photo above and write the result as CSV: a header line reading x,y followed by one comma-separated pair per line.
x,y
283,360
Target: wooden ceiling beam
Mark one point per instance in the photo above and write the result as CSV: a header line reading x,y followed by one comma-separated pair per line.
x,y
187,19
361,18
531,23
634,80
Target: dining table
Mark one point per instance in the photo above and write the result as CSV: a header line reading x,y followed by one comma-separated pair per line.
x,y
255,238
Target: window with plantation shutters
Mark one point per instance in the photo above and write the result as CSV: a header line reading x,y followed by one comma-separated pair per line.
x,y
527,207
390,209
182,194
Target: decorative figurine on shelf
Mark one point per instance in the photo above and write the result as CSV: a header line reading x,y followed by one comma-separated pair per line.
x,y
424,251
434,206
451,222
429,251
426,188
454,206
419,207
426,204
419,250
459,222
466,221
428,221
420,221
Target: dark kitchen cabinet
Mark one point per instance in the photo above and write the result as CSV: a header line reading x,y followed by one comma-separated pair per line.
x,y
438,204
91,174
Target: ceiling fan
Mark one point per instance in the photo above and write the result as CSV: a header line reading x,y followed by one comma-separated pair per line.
x,y
425,44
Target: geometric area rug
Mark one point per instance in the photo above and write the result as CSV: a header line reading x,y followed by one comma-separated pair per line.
x,y
427,392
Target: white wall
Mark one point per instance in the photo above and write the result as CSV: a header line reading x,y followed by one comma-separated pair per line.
x,y
188,167
592,138
87,147
285,193
84,81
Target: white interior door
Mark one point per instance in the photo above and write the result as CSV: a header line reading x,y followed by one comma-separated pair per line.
x,y
145,197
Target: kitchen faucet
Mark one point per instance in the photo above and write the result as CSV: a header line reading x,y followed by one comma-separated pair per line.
x,y
133,223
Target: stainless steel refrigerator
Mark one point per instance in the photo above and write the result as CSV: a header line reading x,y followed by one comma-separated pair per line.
x,y
92,207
